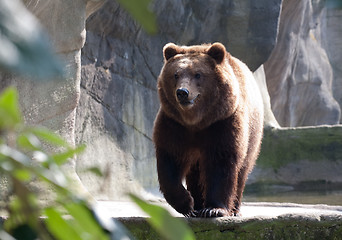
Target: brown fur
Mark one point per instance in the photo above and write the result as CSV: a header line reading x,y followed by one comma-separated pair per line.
x,y
213,138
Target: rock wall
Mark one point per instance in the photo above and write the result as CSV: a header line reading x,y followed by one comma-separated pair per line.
x,y
301,158
333,45
120,65
53,104
304,80
302,84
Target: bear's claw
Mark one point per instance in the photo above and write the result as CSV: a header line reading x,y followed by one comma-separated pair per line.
x,y
191,214
212,212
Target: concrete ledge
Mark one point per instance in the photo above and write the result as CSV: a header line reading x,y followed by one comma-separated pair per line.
x,y
288,226
116,209
259,221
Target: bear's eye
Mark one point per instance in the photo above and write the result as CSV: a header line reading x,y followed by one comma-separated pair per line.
x,y
197,76
176,76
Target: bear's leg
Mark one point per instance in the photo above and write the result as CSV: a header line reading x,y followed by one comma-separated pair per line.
x,y
240,187
221,183
170,181
195,187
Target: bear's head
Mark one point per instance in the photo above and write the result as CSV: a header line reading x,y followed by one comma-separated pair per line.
x,y
197,85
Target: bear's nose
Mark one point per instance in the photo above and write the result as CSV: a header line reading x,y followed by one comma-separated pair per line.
x,y
182,94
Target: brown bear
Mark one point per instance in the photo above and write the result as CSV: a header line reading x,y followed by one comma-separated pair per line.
x,y
208,129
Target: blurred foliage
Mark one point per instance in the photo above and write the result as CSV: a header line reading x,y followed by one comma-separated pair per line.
x,y
141,11
24,47
168,227
23,159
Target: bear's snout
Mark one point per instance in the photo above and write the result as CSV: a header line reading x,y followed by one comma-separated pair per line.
x,y
182,95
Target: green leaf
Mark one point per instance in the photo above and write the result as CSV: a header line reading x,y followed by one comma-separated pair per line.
x,y
24,47
140,10
23,175
14,158
61,158
95,170
9,109
41,157
55,177
168,227
15,155
49,137
85,220
59,227
28,141
15,204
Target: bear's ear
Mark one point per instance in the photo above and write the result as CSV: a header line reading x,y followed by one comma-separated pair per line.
x,y
217,51
170,50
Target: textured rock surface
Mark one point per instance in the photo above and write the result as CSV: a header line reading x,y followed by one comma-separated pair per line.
x,y
269,120
120,65
287,226
258,221
308,157
298,72
53,104
333,45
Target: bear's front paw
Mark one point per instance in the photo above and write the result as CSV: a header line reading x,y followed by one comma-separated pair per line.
x,y
191,214
236,212
182,202
213,212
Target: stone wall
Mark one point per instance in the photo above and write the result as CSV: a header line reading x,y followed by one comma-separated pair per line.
x,y
333,45
304,88
301,158
52,104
